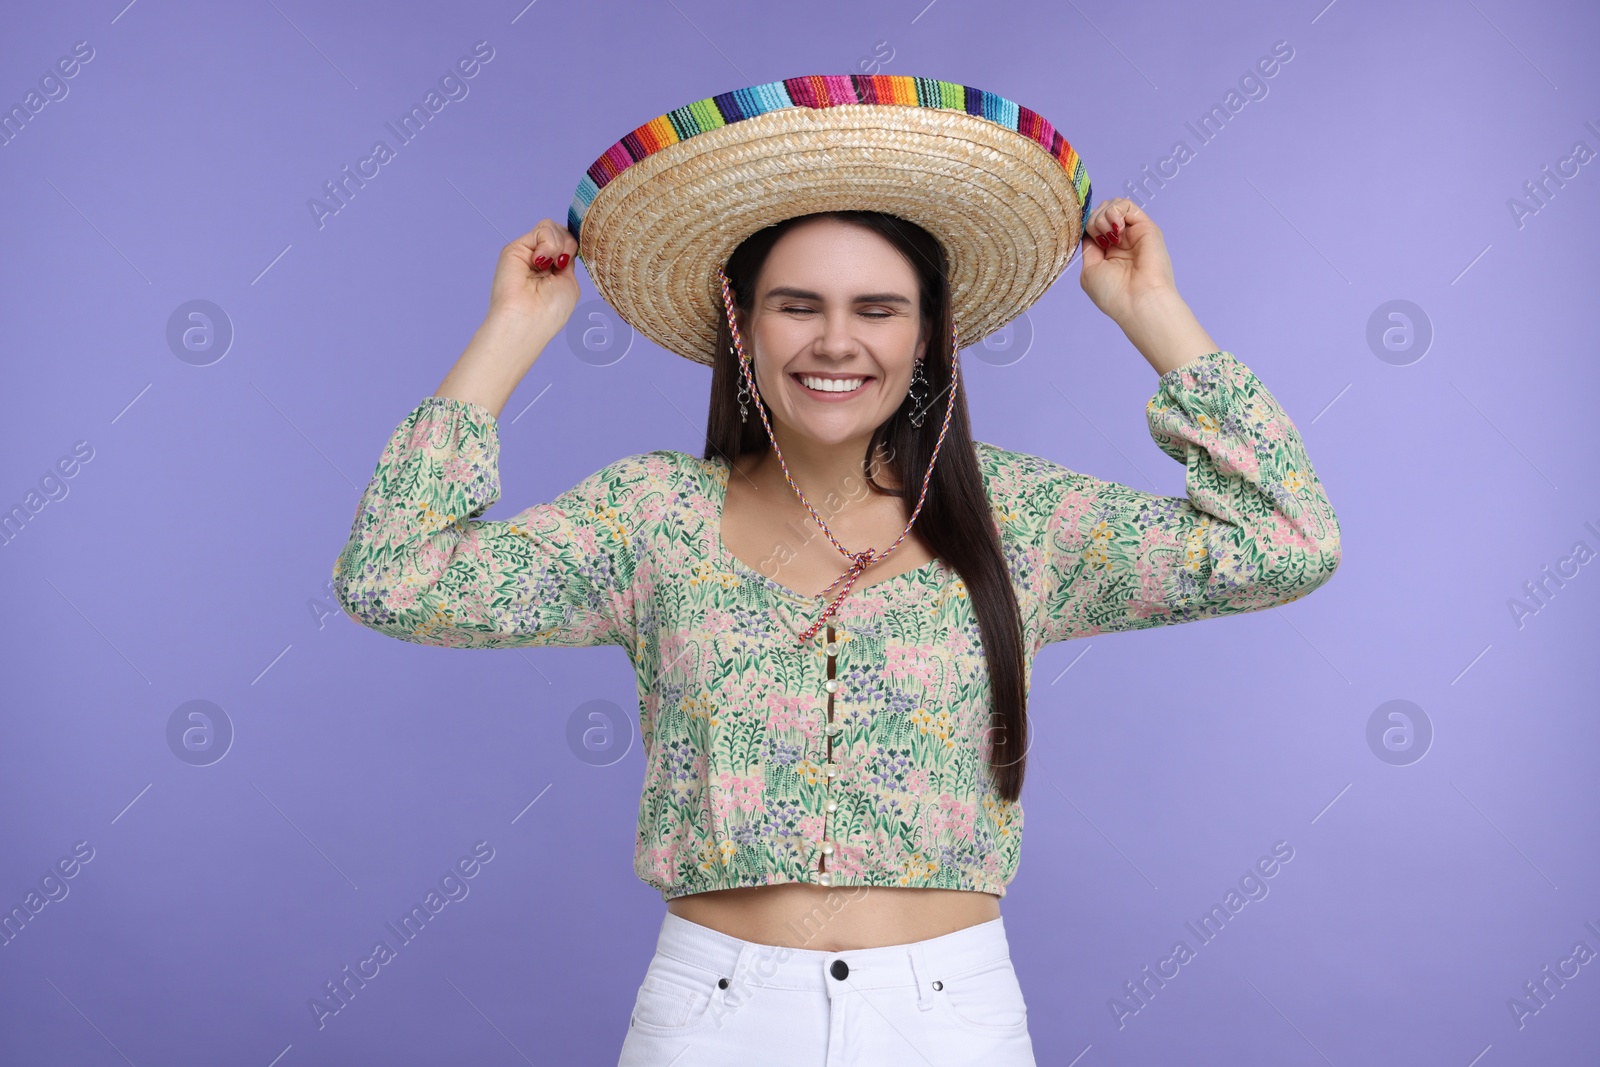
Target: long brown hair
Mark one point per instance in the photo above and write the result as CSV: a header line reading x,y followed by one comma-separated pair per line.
x,y
955,522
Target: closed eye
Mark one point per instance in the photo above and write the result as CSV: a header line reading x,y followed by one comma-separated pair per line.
x,y
869,314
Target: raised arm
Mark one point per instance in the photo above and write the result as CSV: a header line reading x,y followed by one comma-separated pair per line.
x,y
1256,528
420,565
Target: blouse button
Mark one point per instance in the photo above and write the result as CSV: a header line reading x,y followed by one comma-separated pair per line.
x,y
833,648
824,878
830,769
831,685
833,728
832,806
827,848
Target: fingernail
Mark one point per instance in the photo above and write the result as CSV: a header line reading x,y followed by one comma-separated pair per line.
x,y
1100,239
540,262
1116,233
562,260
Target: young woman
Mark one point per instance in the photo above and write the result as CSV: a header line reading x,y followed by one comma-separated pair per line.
x,y
834,760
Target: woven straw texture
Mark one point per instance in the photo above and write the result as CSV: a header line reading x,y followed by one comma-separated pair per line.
x,y
665,207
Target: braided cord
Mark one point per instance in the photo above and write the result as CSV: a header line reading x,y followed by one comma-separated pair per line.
x,y
860,561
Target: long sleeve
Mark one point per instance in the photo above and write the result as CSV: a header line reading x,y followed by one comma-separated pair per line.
x,y
421,566
1255,531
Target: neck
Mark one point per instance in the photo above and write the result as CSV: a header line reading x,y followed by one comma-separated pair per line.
x,y
831,475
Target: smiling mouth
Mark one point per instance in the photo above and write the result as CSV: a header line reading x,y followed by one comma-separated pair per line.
x,y
831,386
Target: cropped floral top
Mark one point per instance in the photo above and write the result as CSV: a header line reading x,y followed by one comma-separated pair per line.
x,y
858,758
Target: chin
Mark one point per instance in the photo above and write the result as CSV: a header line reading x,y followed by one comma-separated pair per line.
x,y
834,433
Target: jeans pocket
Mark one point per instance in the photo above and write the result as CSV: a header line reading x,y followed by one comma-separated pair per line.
x,y
987,999
674,997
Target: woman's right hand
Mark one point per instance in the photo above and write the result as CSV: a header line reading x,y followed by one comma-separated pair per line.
x,y
534,281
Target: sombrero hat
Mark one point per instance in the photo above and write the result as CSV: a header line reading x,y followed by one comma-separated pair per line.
x,y
664,207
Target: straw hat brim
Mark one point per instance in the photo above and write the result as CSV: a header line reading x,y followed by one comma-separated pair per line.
x,y
1008,212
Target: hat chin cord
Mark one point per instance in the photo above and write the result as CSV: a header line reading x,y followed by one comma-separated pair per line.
x,y
859,561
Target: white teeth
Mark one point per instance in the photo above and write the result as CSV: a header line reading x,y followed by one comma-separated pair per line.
x,y
831,385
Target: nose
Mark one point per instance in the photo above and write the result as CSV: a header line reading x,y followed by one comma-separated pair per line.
x,y
836,339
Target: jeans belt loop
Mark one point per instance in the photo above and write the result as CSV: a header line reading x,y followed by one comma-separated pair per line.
x,y
919,971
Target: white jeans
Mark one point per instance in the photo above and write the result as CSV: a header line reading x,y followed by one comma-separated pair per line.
x,y
709,999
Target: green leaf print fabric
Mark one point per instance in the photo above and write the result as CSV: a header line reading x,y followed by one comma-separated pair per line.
x,y
1256,529
421,565
738,719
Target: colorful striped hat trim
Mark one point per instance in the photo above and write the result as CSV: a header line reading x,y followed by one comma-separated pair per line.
x,y
822,91
995,183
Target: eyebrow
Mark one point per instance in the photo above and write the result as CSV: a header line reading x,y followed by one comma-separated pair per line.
x,y
865,298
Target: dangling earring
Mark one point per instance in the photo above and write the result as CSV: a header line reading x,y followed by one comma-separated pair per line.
x,y
744,390
919,399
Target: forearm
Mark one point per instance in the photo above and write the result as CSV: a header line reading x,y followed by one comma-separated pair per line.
x,y
500,354
1257,528
1165,331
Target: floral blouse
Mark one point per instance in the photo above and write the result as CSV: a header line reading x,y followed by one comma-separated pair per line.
x,y
859,757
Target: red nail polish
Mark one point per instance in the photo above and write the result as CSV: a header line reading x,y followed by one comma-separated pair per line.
x,y
1101,240
1116,234
562,261
539,262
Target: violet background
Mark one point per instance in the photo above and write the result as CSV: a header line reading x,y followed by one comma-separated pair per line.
x,y
189,558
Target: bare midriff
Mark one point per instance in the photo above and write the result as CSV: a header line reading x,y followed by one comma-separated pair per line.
x,y
836,918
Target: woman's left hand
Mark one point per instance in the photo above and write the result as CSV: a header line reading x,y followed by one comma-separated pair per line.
x,y
1124,259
